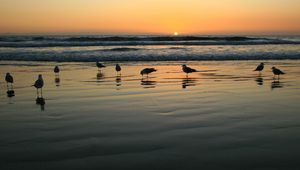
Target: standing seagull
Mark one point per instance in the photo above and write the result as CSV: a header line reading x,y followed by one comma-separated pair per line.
x,y
118,69
39,83
187,69
56,70
147,71
99,65
260,67
57,79
277,72
9,79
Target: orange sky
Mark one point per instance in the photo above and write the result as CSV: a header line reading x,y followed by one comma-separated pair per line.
x,y
149,16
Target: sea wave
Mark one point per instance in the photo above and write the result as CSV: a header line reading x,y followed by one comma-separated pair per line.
x,y
121,49
70,41
149,55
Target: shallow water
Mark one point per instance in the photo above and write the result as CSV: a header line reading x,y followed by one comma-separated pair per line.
x,y
223,117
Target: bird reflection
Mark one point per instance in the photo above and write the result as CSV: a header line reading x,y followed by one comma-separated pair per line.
x,y
118,80
146,83
100,75
259,81
57,80
276,84
40,101
188,82
10,93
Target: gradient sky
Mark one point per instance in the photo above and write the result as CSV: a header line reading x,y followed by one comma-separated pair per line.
x,y
149,16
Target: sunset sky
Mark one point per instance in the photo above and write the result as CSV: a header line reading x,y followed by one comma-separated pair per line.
x,y
150,16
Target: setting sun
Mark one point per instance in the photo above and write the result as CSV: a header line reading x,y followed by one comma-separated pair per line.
x,y
175,33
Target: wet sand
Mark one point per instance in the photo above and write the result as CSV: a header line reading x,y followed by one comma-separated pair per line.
x,y
224,117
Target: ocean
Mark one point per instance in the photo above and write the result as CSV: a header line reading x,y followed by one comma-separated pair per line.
x,y
88,48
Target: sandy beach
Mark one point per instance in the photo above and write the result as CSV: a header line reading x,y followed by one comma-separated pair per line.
x,y
223,117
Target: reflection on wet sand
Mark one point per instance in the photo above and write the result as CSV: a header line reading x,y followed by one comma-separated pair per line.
x,y
10,93
40,101
259,81
57,81
118,80
146,83
276,84
100,75
188,82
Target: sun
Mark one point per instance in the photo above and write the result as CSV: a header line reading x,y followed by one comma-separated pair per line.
x,y
175,33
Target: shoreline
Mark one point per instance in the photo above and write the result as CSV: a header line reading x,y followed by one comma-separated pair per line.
x,y
142,61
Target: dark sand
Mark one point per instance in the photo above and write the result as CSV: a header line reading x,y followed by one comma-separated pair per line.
x,y
224,117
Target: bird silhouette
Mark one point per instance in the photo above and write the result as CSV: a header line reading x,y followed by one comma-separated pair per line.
x,y
147,71
56,70
187,69
260,67
9,80
57,79
39,83
100,65
277,72
118,69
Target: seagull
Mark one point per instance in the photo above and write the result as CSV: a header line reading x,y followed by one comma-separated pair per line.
x,y
187,69
147,71
56,70
118,68
9,79
39,83
277,72
100,65
260,67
